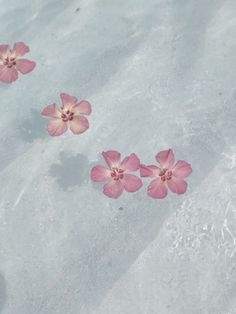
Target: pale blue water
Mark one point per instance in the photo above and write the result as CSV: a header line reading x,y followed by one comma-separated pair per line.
x,y
158,74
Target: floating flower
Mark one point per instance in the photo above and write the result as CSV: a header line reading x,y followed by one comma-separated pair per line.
x,y
70,113
11,62
169,175
117,176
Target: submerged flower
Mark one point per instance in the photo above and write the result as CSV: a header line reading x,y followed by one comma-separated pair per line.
x,y
11,62
169,175
70,113
117,175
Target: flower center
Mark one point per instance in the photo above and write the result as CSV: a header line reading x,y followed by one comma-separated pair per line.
x,y
165,174
67,116
9,62
117,174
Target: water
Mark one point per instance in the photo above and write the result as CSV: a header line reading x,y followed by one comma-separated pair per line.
x,y
158,74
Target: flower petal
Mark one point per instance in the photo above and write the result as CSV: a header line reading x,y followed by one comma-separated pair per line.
x,y
8,75
25,66
178,186
131,183
99,173
112,158
166,158
68,101
20,49
56,127
130,163
3,50
113,189
51,111
79,124
182,169
149,171
157,189
82,107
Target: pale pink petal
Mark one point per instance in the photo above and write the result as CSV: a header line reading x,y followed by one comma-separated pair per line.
x,y
99,173
131,183
25,66
112,158
51,111
82,107
56,127
68,101
177,186
130,163
166,158
113,189
182,169
20,49
8,75
149,171
79,124
157,189
3,50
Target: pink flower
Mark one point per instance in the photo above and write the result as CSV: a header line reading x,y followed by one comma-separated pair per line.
x,y
169,175
71,113
11,63
117,176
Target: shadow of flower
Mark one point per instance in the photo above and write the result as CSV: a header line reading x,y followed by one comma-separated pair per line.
x,y
71,171
34,128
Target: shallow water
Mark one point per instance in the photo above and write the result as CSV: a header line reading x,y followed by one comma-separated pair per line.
x,y
159,74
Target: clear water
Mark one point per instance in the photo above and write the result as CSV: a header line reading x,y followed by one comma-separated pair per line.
x,y
159,74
